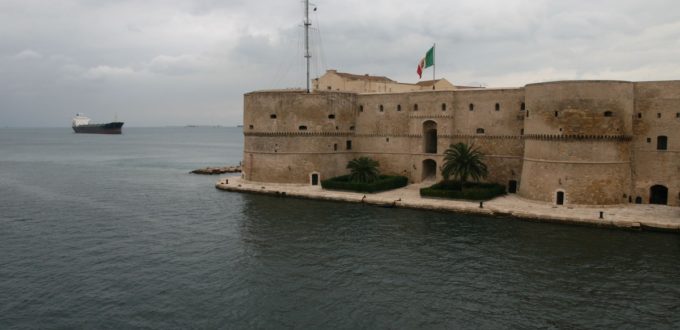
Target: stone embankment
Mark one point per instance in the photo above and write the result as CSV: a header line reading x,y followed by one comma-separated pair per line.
x,y
633,216
218,170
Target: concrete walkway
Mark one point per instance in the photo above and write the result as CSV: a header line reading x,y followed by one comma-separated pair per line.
x,y
634,216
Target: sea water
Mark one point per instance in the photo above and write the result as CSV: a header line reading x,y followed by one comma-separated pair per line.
x,y
100,231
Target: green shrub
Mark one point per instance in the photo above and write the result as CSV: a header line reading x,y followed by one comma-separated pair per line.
x,y
384,182
472,191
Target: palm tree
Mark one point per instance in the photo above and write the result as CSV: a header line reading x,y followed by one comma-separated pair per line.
x,y
363,169
464,161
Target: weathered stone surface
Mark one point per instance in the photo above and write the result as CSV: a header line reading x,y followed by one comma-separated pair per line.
x,y
595,141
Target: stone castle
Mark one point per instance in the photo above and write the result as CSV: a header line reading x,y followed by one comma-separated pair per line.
x,y
563,142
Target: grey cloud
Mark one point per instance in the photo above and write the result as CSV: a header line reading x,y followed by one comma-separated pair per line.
x,y
175,62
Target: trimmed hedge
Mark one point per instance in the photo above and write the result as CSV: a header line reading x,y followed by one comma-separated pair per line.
x,y
472,191
384,182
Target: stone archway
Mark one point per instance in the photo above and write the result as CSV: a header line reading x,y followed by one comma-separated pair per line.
x,y
430,137
429,170
658,194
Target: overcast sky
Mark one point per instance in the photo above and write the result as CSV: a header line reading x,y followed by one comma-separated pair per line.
x,y
173,62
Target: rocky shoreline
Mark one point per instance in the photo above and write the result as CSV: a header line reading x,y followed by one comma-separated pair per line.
x,y
217,170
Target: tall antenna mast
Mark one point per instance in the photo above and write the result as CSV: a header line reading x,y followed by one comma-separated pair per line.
x,y
307,24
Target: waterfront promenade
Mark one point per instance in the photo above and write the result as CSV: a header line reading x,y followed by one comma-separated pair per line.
x,y
632,216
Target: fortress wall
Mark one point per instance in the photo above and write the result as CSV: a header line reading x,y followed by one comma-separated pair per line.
x,y
657,113
293,109
579,151
389,121
276,150
578,107
508,120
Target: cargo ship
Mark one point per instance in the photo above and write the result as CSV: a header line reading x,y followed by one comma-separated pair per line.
x,y
81,124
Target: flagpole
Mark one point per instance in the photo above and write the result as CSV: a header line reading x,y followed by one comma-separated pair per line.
x,y
434,63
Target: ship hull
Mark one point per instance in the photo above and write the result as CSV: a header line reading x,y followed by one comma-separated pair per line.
x,y
110,128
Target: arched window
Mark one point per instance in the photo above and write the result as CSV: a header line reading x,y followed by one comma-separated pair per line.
x,y
398,107
608,113
661,142
430,135
302,127
480,131
443,106
498,106
472,107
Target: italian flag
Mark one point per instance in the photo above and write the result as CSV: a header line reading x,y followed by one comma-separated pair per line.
x,y
426,62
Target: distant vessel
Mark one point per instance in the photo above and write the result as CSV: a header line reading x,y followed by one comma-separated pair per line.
x,y
81,124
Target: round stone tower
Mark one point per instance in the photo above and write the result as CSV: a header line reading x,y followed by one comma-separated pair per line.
x,y
577,142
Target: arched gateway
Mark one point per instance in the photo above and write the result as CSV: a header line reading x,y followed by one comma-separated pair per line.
x,y
658,194
429,170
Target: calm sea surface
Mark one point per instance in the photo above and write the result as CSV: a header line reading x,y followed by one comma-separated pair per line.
x,y
112,232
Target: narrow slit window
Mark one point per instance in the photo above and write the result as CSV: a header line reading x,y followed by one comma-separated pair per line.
x,y
443,106
522,106
415,107
472,107
381,108
498,107
361,108
398,107
348,145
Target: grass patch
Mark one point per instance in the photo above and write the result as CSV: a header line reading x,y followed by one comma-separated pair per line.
x,y
472,191
384,182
